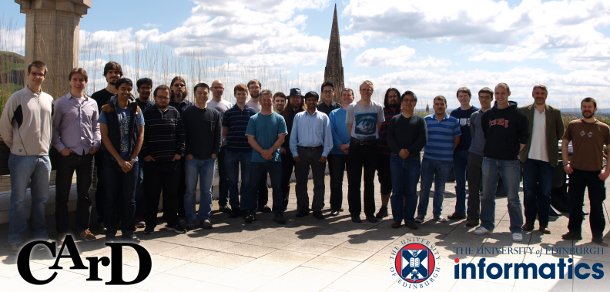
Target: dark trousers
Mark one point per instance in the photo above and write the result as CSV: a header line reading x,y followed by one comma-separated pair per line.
x,y
579,180
359,157
309,157
460,166
383,174
161,177
140,204
120,194
263,192
223,183
474,174
259,170
82,164
537,187
336,167
100,188
287,168
180,176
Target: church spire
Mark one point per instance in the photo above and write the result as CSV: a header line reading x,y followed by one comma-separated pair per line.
x,y
334,65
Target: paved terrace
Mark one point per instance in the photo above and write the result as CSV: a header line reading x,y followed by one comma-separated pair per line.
x,y
308,254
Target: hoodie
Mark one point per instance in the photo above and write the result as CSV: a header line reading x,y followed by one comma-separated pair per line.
x,y
504,130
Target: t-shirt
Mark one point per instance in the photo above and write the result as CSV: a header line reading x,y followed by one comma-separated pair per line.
x,y
588,140
123,115
364,120
102,97
222,106
266,128
463,116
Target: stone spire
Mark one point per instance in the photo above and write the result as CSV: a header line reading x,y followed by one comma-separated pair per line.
x,y
52,35
334,65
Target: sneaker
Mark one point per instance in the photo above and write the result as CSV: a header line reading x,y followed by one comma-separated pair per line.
x,y
206,224
456,216
334,212
440,219
472,223
318,215
140,224
528,226
279,218
177,228
517,237
86,235
356,219
396,224
411,225
264,209
481,230
419,220
225,209
383,212
571,236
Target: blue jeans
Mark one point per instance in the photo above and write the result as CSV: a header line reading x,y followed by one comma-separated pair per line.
x,y
537,187
250,197
202,169
23,169
405,175
439,171
237,162
509,171
460,160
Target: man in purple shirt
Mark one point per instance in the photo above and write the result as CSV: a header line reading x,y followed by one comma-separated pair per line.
x,y
76,136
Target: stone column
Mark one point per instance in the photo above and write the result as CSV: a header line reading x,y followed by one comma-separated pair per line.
x,y
52,35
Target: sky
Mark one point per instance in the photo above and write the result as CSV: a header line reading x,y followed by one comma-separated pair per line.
x,y
429,47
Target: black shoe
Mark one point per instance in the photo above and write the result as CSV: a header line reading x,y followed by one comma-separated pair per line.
x,y
383,212
599,240
527,227
225,209
264,209
456,216
249,218
356,219
302,213
334,212
396,224
235,213
571,236
472,223
149,230
544,230
318,214
279,218
371,219
411,225
176,228
110,237
130,237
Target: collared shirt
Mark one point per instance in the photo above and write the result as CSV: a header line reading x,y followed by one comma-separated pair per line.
x,y
75,124
311,130
338,129
441,136
236,121
144,105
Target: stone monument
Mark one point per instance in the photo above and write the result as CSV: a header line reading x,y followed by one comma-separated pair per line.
x,y
334,65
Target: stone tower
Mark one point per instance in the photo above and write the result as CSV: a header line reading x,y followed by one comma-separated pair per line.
x,y
52,30
334,65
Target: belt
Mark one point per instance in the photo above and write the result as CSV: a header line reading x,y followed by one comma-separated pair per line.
x,y
310,148
363,142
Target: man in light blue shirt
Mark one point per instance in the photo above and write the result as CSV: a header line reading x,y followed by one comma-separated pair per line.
x,y
337,159
310,143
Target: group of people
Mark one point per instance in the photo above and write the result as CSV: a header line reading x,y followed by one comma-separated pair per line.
x,y
127,151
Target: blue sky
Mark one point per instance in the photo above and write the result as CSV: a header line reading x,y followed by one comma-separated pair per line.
x,y
429,47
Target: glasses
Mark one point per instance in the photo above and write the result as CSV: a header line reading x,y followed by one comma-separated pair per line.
x,y
36,74
179,85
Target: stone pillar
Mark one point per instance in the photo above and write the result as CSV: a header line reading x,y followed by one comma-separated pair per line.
x,y
52,35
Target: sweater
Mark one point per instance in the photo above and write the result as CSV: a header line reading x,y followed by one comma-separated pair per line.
x,y
505,129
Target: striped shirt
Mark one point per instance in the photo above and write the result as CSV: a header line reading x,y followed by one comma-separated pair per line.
x,y
163,134
441,135
236,122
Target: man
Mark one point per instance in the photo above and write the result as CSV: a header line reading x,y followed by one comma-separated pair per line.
x,y
391,108
539,158
506,133
25,127
254,88
221,105
144,88
279,102
327,104
295,105
77,137
337,159
586,170
163,149
310,143
363,121
474,172
406,137
202,136
122,128
112,72
237,150
266,132
443,136
460,154
178,93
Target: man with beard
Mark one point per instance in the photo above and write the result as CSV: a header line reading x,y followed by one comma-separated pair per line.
x,y
144,87
254,88
539,158
279,102
391,107
178,94
460,154
295,105
112,73
586,170
327,104
221,105
337,159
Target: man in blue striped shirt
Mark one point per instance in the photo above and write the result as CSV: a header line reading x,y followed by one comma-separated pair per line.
x,y
443,136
